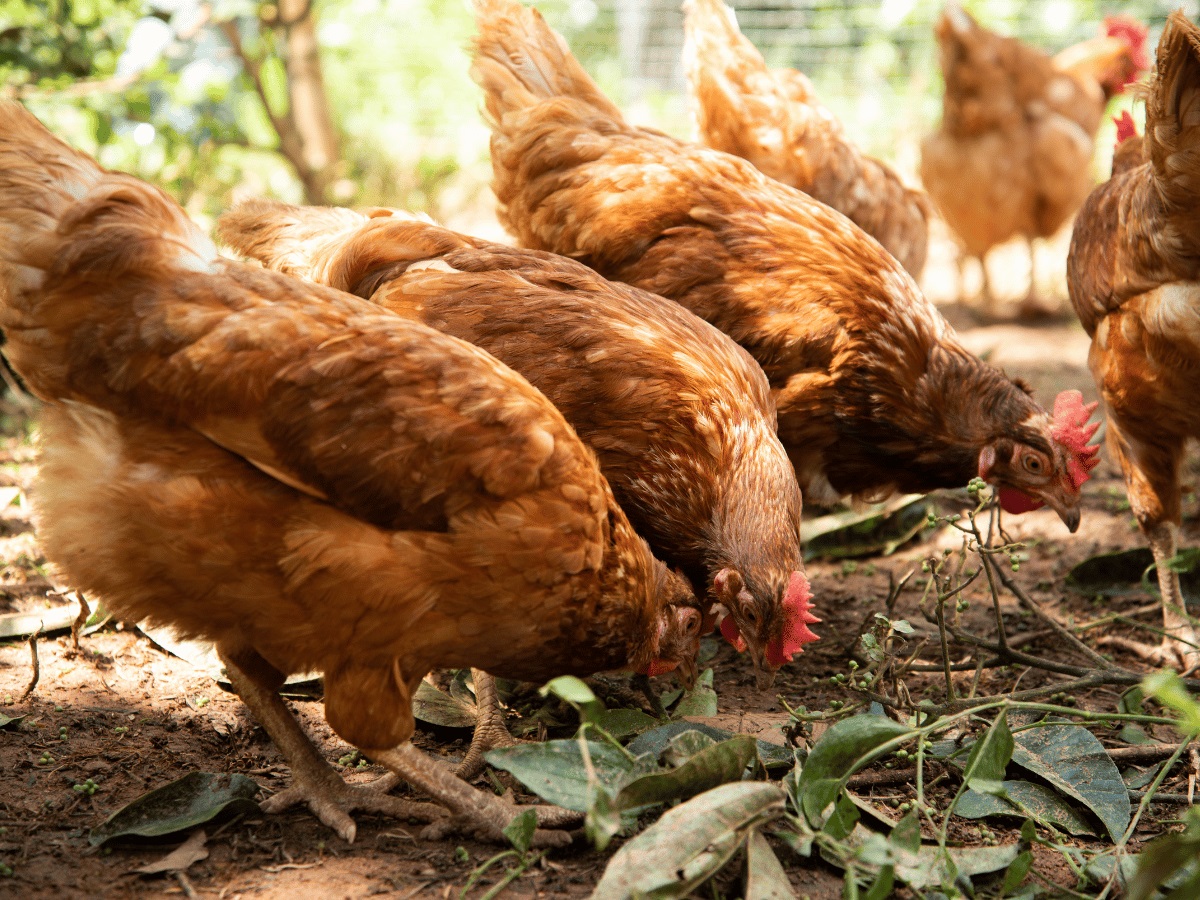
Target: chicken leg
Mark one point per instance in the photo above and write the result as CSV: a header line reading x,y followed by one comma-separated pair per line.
x,y
490,731
486,815
1152,480
1032,308
314,781
1181,644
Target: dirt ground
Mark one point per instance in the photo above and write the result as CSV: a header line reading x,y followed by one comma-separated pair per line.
x,y
130,717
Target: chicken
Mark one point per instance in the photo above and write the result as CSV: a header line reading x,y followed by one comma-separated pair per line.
x,y
310,484
873,391
1013,154
774,119
1134,277
679,415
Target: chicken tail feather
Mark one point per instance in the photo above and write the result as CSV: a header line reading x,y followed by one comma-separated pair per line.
x,y
304,241
336,247
1172,138
64,218
520,61
41,178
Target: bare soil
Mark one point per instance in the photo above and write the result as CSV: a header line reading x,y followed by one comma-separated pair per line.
x,y
130,717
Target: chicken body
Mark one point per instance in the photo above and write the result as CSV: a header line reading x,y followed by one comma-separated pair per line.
x,y
874,393
679,415
774,119
310,484
1013,154
1134,275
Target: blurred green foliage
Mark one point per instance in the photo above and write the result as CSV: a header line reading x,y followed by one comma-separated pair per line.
x,y
156,87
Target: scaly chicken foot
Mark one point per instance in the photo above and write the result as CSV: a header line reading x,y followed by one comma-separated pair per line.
x,y
314,781
1180,647
490,731
1181,644
478,813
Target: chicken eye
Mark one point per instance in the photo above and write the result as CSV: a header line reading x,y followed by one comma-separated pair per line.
x,y
1034,464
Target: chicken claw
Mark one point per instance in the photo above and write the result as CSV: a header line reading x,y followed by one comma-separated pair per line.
x,y
490,731
314,781
331,800
483,815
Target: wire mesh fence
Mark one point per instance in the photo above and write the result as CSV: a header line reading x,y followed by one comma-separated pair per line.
x,y
874,62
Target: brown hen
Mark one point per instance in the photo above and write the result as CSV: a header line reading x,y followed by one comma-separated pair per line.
x,y
680,416
1013,153
307,482
874,393
1134,275
773,118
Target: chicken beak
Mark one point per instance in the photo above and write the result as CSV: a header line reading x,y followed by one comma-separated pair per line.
x,y
688,672
764,678
1066,507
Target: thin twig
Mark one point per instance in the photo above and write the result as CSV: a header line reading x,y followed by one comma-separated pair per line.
x,y
37,667
1061,630
1160,797
187,886
1031,694
1141,752
886,777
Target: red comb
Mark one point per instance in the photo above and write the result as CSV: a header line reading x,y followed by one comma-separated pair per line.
x,y
1134,33
1126,128
1072,431
797,616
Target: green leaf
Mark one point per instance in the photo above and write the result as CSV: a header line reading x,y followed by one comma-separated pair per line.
x,y
576,692
625,723
1025,798
700,700
520,830
603,819
1122,573
684,746
878,529
990,755
930,866
275,85
181,805
5,721
765,877
1016,871
655,741
815,797
569,688
843,819
836,753
1073,760
706,769
1168,689
439,708
1172,862
906,836
884,884
555,771
689,843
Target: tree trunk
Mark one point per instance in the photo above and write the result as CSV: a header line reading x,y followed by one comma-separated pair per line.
x,y
307,138
309,102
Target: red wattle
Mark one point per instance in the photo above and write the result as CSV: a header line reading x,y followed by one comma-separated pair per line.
x,y
1017,502
730,632
658,667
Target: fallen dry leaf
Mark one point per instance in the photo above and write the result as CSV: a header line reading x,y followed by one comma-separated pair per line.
x,y
178,860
